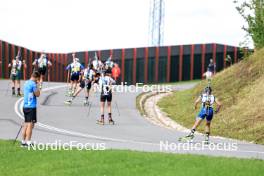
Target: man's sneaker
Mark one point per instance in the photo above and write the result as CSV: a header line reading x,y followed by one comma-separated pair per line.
x,y
68,102
23,144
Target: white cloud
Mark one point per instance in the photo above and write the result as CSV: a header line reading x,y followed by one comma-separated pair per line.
x,y
74,25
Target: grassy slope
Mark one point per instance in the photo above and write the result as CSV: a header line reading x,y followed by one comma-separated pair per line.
x,y
18,161
240,89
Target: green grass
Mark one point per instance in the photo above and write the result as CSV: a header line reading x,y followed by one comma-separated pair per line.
x,y
19,161
240,89
141,110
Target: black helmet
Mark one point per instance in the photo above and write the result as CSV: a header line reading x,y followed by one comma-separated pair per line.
x,y
208,90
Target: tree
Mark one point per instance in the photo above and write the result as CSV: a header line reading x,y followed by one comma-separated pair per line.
x,y
253,13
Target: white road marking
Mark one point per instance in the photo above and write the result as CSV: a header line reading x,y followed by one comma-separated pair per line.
x,y
18,107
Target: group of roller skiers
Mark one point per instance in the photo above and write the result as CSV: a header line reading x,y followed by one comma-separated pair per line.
x,y
40,64
99,74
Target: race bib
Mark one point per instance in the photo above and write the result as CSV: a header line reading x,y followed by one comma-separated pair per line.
x,y
13,71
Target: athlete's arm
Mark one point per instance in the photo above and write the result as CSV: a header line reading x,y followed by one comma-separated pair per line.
x,y
82,67
112,81
35,62
196,102
68,67
36,90
81,75
49,64
24,63
218,103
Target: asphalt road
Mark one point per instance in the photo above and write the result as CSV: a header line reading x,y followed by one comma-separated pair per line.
x,y
62,123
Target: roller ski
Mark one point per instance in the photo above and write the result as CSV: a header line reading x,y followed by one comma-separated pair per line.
x,y
69,93
100,122
111,122
188,138
206,140
17,95
68,102
85,103
13,92
20,95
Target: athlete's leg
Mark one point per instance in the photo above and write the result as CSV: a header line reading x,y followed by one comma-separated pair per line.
x,y
198,121
13,86
209,118
196,124
207,127
102,104
74,96
110,119
18,87
24,130
71,86
207,131
86,96
29,131
77,91
75,86
109,107
40,81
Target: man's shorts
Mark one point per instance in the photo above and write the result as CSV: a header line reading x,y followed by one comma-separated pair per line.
x,y
15,77
88,84
42,70
75,77
107,98
207,113
30,115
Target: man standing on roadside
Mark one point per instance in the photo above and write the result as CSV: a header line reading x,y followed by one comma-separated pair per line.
x,y
31,92
211,67
115,72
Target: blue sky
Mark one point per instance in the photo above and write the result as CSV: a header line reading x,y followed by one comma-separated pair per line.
x,y
77,25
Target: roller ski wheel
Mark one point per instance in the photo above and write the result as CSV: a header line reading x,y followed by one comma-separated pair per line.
x,y
100,122
188,138
68,102
206,140
86,103
111,122
20,95
69,94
